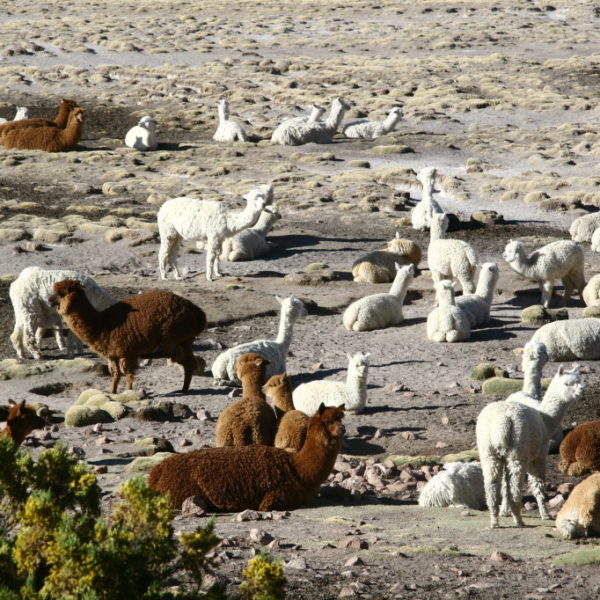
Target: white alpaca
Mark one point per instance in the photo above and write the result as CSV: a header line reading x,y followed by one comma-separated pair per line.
x,y
591,292
280,135
458,484
573,339
580,514
352,393
421,214
373,129
513,437
228,130
187,218
22,113
224,367
582,228
251,243
448,258
30,293
562,259
143,135
320,132
378,311
595,241
477,306
447,322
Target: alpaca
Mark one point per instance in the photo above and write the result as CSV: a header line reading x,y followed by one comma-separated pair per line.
x,y
380,266
448,258
60,121
320,132
591,292
580,450
580,514
187,218
572,339
447,322
422,213
477,306
535,356
223,369
249,420
286,129
30,296
513,437
292,424
22,420
352,393
379,311
458,484
143,135
22,113
157,323
582,228
228,130
561,259
370,130
47,138
254,477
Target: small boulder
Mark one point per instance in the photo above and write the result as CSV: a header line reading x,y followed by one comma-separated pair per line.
x,y
487,217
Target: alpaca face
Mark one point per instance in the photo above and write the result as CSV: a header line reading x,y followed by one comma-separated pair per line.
x,y
511,251
331,428
251,363
77,114
23,419
278,385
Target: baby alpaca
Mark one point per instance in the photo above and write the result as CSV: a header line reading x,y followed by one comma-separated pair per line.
x,y
352,393
370,130
228,130
447,322
421,214
573,339
580,514
22,420
580,450
477,306
249,420
157,323
512,439
562,259
22,113
458,484
64,110
378,311
143,135
255,477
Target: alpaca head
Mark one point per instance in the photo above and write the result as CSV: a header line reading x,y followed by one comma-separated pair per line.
x,y
267,191
316,112
326,425
255,200
252,364
404,271
339,104
512,251
147,123
399,245
68,103
22,113
22,419
426,176
278,386
359,363
77,115
566,384
293,307
65,292
535,352
444,292
396,113
439,221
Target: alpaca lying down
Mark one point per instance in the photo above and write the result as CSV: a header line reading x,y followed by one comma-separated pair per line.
x,y
458,484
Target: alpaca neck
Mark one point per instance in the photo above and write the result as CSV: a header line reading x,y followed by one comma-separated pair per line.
x,y
399,287
284,333
315,460
390,122
83,319
62,116
356,387
523,264
446,297
252,386
334,120
485,288
223,111
242,219
264,223
72,133
436,231
553,407
283,400
532,379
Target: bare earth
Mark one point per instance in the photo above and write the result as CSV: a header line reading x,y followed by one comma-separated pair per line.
x,y
501,96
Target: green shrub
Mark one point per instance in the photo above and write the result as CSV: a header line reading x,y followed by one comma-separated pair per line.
x,y
263,579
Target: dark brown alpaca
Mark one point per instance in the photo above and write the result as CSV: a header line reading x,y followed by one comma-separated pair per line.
x,y
22,420
255,477
250,420
49,139
580,450
65,108
157,323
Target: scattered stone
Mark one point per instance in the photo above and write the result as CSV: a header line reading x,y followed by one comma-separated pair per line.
x,y
296,562
194,506
203,415
249,515
354,561
499,556
487,217
262,537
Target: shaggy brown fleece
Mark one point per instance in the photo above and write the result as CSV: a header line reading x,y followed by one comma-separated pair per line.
x,y
580,450
65,108
22,420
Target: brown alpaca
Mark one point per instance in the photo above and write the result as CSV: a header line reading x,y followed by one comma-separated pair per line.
x,y
65,108
580,514
49,139
255,477
157,323
250,420
292,424
580,450
22,420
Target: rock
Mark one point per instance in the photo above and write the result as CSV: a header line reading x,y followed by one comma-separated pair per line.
x,y
203,415
143,464
487,217
499,556
194,506
354,561
354,542
347,592
262,537
249,515
540,315
296,562
484,371
565,488
311,278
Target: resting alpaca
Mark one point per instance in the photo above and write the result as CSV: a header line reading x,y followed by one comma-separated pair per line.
x,y
582,228
143,135
380,266
351,393
64,110
292,424
458,484
255,477
580,514
249,420
228,130
557,260
477,306
287,129
187,218
447,322
22,420
449,258
223,369
591,292
535,356
513,437
158,322
30,296
48,139
370,130
378,311
573,339
22,113
421,214
580,450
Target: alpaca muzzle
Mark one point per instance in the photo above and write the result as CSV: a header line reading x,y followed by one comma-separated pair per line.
x,y
53,300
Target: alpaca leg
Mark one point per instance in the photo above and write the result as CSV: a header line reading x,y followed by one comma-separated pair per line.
x,y
505,508
60,338
188,361
575,469
537,474
568,285
128,366
492,473
515,483
113,369
546,288
167,254
213,248
16,338
30,328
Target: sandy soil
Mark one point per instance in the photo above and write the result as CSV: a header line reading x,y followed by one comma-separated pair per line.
x,y
501,96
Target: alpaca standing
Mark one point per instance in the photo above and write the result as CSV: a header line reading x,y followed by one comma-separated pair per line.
x,y
228,130
477,306
143,135
60,121
513,437
447,322
187,218
423,212
369,130
22,113
223,369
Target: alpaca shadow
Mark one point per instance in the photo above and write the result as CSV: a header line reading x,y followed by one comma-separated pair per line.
x,y
343,275
315,376
360,447
396,362
258,274
82,148
371,430
412,321
371,410
490,335
172,146
110,461
208,391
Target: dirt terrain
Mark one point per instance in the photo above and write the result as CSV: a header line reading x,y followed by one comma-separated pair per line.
x,y
501,96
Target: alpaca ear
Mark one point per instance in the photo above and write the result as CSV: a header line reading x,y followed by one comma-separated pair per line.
x,y
348,356
397,235
342,408
11,402
279,299
321,408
